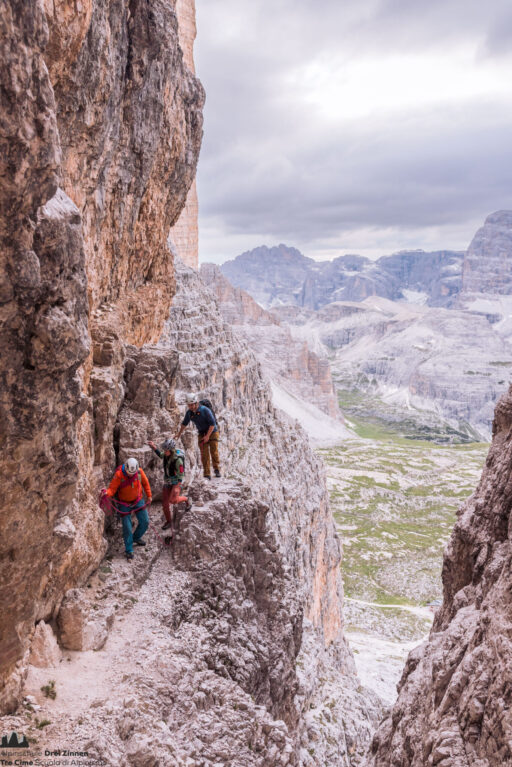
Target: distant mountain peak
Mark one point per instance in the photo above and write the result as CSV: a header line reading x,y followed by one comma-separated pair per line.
x,y
500,218
282,275
488,261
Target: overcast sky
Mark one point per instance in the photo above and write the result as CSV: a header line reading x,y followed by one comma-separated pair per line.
x,y
352,126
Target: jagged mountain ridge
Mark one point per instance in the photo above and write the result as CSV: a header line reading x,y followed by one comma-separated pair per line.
x,y
301,380
444,354
437,364
281,275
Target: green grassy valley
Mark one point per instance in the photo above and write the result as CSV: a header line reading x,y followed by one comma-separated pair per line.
x,y
394,499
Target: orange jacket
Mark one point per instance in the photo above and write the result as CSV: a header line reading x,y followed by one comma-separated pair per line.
x,y
130,492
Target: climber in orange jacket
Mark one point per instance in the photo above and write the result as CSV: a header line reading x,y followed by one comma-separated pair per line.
x,y
126,487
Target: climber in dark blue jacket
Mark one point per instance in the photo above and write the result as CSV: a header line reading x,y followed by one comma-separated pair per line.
x,y
208,433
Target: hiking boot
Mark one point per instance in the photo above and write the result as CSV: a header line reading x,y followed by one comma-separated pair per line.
x,y
207,476
128,554
140,543
217,473
167,525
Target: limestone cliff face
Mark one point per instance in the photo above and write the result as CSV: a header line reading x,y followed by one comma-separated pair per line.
x,y
185,232
488,260
286,360
454,704
129,120
100,126
184,235
257,442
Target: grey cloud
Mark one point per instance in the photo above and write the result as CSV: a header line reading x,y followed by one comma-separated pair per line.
x,y
498,41
287,29
394,175
271,166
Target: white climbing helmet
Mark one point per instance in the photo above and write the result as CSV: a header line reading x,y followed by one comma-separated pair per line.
x,y
192,399
132,466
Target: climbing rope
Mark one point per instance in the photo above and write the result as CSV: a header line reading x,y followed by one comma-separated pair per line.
x,y
110,505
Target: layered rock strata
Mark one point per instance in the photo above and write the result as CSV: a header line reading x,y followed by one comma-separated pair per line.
x,y
286,361
100,126
184,235
428,331
270,457
455,695
452,365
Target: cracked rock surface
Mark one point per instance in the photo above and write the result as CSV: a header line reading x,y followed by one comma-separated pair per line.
x,y
100,128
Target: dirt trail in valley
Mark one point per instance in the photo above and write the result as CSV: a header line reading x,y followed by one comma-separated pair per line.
x,y
422,612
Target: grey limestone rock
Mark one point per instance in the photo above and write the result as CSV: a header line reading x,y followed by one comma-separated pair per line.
x,y
286,361
488,260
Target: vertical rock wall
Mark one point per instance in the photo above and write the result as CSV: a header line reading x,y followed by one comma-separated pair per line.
x,y
184,235
185,232
100,127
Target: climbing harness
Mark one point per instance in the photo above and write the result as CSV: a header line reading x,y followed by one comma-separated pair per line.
x,y
110,505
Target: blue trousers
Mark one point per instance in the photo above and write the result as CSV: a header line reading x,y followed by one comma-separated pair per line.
x,y
142,525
